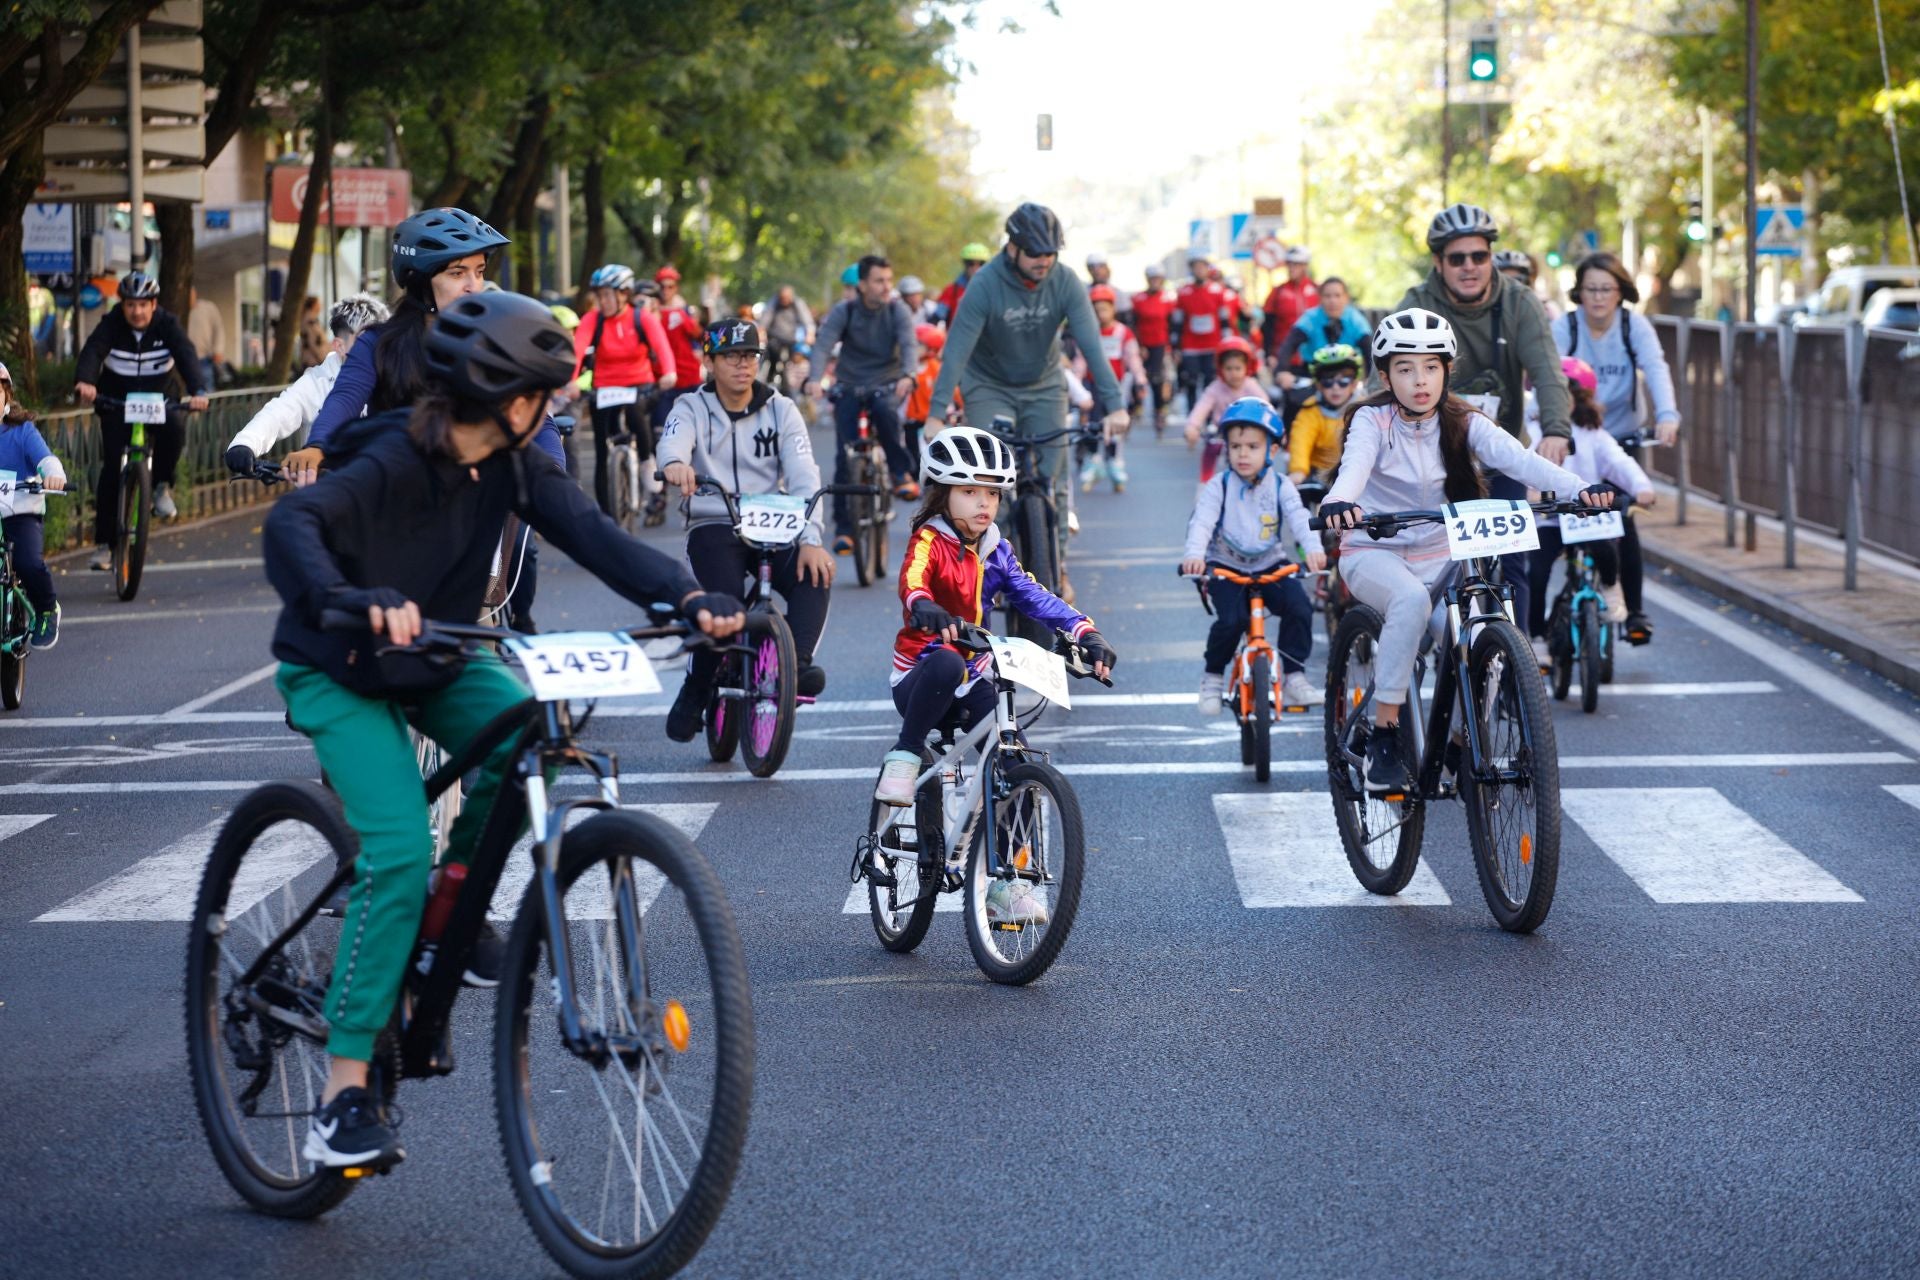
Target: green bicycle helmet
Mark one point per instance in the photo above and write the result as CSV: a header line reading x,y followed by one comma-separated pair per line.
x,y
975,252
1335,356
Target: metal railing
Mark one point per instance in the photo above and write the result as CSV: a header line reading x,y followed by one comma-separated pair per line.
x,y
1818,427
201,483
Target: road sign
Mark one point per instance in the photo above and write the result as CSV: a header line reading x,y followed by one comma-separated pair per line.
x,y
1241,238
1269,253
111,184
1777,230
48,238
363,197
1200,238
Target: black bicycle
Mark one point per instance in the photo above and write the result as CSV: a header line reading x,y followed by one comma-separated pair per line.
x,y
17,614
129,546
871,514
1032,519
1500,759
623,1045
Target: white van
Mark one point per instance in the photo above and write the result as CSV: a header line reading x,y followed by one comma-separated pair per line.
x,y
1843,297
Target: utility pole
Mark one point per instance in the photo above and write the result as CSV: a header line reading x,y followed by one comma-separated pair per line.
x,y
1753,150
1446,94
563,229
1708,310
136,157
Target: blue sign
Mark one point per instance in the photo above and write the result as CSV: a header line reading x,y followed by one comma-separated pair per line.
x,y
1776,230
1242,237
91,297
219,219
47,235
1200,237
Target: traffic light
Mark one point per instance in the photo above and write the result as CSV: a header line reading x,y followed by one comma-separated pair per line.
x,y
1696,222
1483,59
1555,259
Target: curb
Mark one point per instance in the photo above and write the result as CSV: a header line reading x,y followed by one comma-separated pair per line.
x,y
187,525
1854,645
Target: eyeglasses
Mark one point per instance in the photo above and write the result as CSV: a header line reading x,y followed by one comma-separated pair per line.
x,y
1478,258
740,357
1336,380
1599,291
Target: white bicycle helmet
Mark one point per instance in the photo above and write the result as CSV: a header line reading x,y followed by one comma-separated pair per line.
x,y
354,313
911,284
1415,331
967,455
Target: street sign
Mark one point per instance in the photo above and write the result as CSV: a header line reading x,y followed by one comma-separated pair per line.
x,y
362,197
1240,239
1777,230
1270,254
1200,238
112,183
48,238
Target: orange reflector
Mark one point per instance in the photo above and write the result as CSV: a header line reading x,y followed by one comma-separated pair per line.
x,y
1023,857
1356,699
355,1172
674,1023
1526,847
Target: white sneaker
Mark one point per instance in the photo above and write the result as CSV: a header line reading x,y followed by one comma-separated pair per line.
x,y
1616,599
1298,691
1016,902
1212,688
163,505
897,772
1541,654
102,559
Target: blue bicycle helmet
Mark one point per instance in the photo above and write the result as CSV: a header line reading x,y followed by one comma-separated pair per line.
x,y
851,276
612,276
426,243
1253,411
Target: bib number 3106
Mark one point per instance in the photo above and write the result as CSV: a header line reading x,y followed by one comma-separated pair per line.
x,y
145,406
1490,527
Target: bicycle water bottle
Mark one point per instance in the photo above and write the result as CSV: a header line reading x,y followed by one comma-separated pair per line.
x,y
446,889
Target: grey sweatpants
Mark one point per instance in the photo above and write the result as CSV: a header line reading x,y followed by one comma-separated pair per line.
x,y
1396,589
1035,410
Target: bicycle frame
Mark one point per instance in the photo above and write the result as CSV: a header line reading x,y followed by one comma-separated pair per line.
x,y
1580,576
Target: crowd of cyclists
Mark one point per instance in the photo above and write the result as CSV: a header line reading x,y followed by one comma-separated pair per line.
x,y
440,417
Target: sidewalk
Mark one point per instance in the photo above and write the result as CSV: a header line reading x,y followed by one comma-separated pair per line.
x,y
1877,626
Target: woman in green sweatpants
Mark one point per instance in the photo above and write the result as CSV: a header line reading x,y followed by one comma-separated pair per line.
x,y
401,532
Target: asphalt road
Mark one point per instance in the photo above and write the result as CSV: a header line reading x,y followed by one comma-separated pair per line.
x,y
1701,1065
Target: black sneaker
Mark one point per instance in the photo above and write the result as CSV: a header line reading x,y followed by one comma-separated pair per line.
x,y
812,681
483,962
1639,629
688,712
352,1130
1385,771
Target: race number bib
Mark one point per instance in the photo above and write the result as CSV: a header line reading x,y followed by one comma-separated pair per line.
x,y
1489,527
1600,528
1200,324
607,397
1031,667
772,519
146,406
584,664
1488,404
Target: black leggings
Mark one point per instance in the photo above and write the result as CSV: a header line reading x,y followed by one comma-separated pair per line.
x,y
1605,563
26,535
615,420
1291,613
926,698
721,563
164,444
1632,569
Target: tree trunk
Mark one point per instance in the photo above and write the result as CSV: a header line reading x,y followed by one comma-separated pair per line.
x,y
453,184
286,330
176,255
20,175
593,252
521,170
526,261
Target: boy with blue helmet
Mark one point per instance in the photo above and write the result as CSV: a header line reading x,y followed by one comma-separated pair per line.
x,y
1248,520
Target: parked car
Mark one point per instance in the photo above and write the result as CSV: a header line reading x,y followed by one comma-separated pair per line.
x,y
1845,294
1893,309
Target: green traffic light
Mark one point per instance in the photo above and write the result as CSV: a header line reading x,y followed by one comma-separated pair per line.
x,y
1697,231
1553,258
1481,68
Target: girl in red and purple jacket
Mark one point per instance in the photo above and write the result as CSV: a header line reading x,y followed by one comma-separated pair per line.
x,y
956,562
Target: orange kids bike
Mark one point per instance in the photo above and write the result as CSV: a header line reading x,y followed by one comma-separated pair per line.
x,y
1252,687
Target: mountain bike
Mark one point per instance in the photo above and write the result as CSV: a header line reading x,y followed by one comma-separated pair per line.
x,y
623,1043
129,547
1500,758
756,693
952,840
624,467
1252,687
1577,628
1032,519
17,614
869,515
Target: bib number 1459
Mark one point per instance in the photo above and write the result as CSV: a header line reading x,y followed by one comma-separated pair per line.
x,y
1490,527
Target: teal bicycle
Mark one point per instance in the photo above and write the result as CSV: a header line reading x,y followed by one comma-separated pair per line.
x,y
17,616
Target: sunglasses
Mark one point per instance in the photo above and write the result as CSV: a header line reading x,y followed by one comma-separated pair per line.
x,y
1478,258
1336,380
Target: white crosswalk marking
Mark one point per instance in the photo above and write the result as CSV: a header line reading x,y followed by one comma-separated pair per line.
x,y
856,903
12,824
1692,844
1910,794
163,886
1286,852
594,899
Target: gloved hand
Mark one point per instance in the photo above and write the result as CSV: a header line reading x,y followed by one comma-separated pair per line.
x,y
240,460
718,604
928,616
1339,515
361,599
1098,651
1597,495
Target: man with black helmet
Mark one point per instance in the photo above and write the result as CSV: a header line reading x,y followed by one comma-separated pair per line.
x,y
403,530
136,349
1504,339
1003,352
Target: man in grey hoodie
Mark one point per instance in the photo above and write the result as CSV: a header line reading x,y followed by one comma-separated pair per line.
x,y
873,370
1003,352
1504,339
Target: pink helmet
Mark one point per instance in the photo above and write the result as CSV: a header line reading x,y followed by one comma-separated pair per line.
x,y
1578,370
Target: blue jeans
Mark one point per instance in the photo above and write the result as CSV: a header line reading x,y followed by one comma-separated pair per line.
x,y
883,420
26,535
1287,604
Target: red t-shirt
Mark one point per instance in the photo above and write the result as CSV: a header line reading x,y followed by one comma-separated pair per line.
x,y
683,336
1113,345
625,357
1203,306
1151,311
1286,304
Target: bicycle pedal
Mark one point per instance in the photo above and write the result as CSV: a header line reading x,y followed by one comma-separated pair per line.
x,y
381,1167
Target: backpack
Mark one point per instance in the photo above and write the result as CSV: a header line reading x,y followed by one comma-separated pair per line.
x,y
1626,335
600,327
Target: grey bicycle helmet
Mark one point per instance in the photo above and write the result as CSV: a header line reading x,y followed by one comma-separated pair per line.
x,y
1459,220
426,243
1514,260
355,312
1035,230
489,347
137,285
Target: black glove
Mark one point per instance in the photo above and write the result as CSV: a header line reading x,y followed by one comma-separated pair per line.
x,y
1596,495
1098,651
928,616
717,603
360,599
240,460
1331,510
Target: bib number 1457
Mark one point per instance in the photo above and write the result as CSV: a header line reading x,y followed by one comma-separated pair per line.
x,y
1490,527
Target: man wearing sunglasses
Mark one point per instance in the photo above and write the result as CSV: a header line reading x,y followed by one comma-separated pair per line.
x,y
1504,339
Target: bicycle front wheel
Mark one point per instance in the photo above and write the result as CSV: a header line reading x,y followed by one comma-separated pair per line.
x,y
1261,716
256,1051
622,1156
877,542
13,650
862,512
1589,656
1513,808
1381,837
1023,892
772,681
624,482
130,547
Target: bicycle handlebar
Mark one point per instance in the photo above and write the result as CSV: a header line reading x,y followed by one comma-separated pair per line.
x,y
118,402
263,470
980,640
1088,429
707,484
38,486
437,637
1388,523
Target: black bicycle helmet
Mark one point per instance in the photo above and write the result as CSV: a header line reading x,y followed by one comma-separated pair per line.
x,y
138,284
1035,231
424,244
1459,220
730,335
489,347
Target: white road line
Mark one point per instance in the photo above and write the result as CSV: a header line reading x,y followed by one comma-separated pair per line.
x,y
12,824
1692,844
1286,852
856,903
148,615
1910,794
1707,688
1881,717
232,686
1755,761
188,566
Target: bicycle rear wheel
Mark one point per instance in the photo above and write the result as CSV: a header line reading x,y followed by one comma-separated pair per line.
x,y
257,1053
1589,656
130,546
877,543
622,1160
1560,647
1513,819
1039,844
13,647
772,682
861,512
1262,716
913,855
624,482
1381,837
